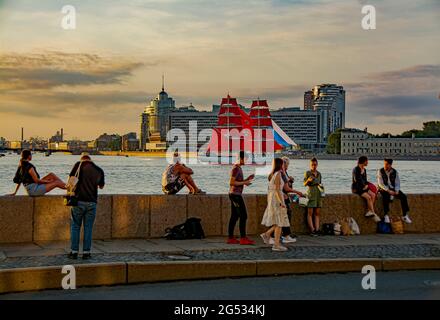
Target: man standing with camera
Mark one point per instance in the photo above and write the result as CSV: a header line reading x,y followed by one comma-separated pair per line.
x,y
90,177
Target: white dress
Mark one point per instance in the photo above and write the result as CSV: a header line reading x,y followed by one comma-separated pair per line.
x,y
275,214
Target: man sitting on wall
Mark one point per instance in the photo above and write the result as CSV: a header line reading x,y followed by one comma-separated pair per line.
x,y
176,176
389,186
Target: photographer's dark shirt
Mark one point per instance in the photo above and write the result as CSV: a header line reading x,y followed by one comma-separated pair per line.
x,y
90,178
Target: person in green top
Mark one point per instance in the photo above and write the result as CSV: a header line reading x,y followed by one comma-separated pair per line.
x,y
312,180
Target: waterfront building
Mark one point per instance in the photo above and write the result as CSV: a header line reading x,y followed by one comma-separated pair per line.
x,y
302,126
106,142
130,142
360,142
329,101
155,118
183,118
2,143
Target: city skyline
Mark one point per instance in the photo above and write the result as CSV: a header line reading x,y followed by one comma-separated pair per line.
x,y
99,77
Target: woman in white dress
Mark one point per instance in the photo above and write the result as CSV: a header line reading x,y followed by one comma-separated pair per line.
x,y
275,217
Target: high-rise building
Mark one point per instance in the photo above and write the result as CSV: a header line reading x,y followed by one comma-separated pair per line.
x,y
302,126
308,100
155,118
329,101
144,133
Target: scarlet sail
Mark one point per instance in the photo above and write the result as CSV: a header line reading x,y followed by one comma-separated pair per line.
x,y
255,132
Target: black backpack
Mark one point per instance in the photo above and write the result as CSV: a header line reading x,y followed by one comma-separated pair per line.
x,y
328,229
191,229
18,178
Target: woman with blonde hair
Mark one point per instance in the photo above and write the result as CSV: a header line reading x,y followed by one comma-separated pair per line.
x,y
275,216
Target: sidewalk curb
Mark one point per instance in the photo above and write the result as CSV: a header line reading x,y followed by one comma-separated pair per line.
x,y
119,273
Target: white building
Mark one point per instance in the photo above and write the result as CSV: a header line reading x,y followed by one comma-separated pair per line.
x,y
358,142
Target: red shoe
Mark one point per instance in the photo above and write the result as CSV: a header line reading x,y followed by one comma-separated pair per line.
x,y
232,241
246,241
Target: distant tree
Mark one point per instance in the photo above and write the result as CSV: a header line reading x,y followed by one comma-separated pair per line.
x,y
334,142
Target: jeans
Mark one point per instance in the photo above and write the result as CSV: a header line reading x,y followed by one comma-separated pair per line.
x,y
85,211
238,211
386,202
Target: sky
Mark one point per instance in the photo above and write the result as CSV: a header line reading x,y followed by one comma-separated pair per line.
x,y
100,76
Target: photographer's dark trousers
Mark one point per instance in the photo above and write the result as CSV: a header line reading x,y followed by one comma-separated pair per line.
x,y
238,212
386,198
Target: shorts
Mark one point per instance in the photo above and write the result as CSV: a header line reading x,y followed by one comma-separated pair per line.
x,y
35,189
174,187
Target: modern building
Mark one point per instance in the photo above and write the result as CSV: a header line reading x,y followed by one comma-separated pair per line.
x,y
329,101
308,100
155,118
130,142
358,142
302,126
192,122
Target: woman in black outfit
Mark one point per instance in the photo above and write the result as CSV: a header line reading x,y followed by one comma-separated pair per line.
x,y
360,187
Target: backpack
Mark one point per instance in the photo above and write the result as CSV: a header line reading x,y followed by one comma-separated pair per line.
x,y
191,229
383,227
328,229
194,229
18,178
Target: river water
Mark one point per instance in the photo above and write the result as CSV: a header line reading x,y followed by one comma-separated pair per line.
x,y
142,175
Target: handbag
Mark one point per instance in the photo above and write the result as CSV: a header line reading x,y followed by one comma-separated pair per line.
x,y
337,229
345,227
71,200
73,181
397,225
354,227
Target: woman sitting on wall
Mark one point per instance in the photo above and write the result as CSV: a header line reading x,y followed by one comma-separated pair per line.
x,y
28,176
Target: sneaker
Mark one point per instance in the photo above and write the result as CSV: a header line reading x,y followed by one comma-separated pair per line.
x,y
279,248
369,214
232,241
386,219
73,255
288,239
406,219
86,256
376,218
313,234
246,241
265,238
272,241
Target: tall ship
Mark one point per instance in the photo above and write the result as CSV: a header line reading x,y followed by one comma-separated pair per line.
x,y
255,133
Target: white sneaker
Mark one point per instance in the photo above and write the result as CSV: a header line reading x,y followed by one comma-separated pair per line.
x,y
265,238
376,218
272,241
279,248
407,219
288,239
386,219
369,214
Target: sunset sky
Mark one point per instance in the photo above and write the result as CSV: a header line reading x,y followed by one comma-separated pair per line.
x,y
99,77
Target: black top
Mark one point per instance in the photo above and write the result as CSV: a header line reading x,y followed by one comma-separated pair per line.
x,y
359,179
90,177
23,176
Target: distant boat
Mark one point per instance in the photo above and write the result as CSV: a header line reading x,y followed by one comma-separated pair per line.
x,y
1,155
47,153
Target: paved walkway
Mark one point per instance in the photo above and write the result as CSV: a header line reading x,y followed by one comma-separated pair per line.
x,y
324,247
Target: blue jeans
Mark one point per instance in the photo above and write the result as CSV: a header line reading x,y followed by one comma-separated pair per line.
x,y
85,211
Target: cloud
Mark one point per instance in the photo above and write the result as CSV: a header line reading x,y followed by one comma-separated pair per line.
x,y
420,71
54,69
